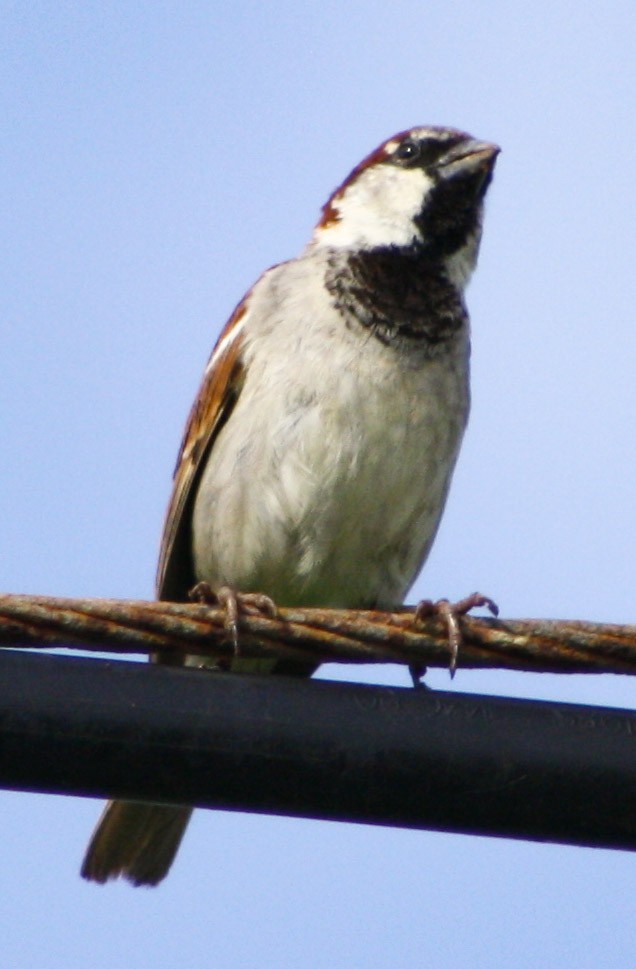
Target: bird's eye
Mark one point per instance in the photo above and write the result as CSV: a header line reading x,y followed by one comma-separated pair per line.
x,y
408,151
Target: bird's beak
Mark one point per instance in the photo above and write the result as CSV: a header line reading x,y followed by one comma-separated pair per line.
x,y
469,157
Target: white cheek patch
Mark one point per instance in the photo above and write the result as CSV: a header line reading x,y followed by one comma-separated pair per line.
x,y
377,209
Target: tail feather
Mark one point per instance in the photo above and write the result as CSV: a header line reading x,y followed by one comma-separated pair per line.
x,y
135,841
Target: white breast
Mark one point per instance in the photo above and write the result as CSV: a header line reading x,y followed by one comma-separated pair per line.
x,y
327,483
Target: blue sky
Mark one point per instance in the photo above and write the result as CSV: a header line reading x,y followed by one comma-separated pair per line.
x,y
155,158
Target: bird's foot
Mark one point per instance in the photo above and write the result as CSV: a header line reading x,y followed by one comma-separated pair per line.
x,y
417,671
234,603
450,613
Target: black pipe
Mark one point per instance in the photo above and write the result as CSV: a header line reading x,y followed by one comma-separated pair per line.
x,y
382,755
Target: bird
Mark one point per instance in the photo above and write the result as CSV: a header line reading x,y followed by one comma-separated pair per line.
x,y
318,453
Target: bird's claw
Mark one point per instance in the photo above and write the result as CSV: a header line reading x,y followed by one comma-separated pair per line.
x,y
234,603
450,613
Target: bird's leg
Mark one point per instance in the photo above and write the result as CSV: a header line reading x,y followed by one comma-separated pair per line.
x,y
234,603
417,671
450,613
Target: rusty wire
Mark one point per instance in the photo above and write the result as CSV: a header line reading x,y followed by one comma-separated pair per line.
x,y
316,635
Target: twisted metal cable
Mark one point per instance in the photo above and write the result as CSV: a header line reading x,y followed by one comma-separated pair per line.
x,y
316,635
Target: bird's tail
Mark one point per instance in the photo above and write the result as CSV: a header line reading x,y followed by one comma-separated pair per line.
x,y
136,841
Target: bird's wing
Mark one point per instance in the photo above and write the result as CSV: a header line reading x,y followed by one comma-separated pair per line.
x,y
220,389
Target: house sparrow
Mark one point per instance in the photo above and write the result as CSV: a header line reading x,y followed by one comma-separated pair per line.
x,y
318,454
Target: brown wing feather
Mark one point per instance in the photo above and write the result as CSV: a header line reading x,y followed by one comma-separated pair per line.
x,y
218,394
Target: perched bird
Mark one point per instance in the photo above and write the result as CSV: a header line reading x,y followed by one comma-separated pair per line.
x,y
318,453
